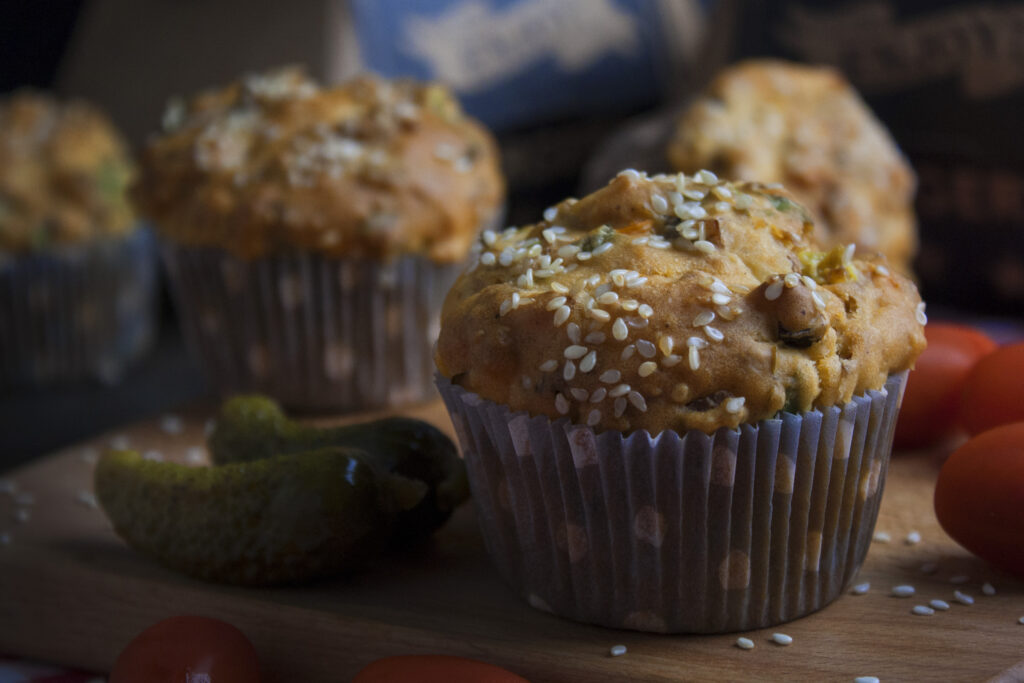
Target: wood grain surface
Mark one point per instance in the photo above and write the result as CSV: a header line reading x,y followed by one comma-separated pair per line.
x,y
72,593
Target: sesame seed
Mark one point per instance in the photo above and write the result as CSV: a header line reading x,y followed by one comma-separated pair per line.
x,y
619,390
848,253
659,204
988,589
929,567
575,351
542,273
722,207
920,315
913,538
861,588
595,337
627,352
557,302
593,418
963,598
488,258
782,639
714,333
866,679
704,246
549,235
1021,621
818,300
506,257
608,298
791,280
735,405
620,406
579,394
568,251
666,344
808,282
941,605
640,241
882,270
647,368
561,404
959,579
505,307
773,291
604,248
617,650
589,362
902,591
549,365
923,610
559,287
646,348
694,358
722,192
598,395
569,371
636,281
561,315
629,305
637,400
550,213
705,177
694,193
630,173
743,201
489,237
704,318
610,376
671,361
882,537
573,330
584,256
599,314
720,299
526,279
619,329
744,643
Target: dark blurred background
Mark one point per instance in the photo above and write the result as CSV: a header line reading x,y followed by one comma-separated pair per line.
x,y
555,79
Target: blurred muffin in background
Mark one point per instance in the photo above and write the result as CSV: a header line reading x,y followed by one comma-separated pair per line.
x,y
311,233
807,128
77,279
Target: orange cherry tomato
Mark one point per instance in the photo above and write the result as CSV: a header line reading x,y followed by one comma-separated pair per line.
x,y
993,392
932,398
187,648
433,669
979,493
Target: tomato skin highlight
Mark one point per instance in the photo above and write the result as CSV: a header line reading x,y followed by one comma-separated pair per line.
x,y
993,392
183,648
434,669
978,496
932,398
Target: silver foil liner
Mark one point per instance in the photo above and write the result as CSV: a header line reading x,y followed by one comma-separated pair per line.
x,y
77,312
317,334
691,533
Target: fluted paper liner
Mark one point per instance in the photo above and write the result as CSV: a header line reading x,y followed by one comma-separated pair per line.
x,y
692,533
316,333
77,312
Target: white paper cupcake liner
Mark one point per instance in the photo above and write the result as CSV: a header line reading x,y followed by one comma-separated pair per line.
x,y
77,312
315,333
693,533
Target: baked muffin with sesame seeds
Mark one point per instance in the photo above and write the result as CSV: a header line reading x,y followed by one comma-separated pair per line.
x,y
77,275
806,128
689,386
310,232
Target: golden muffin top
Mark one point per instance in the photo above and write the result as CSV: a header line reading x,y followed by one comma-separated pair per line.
x,y
675,302
64,172
276,162
807,128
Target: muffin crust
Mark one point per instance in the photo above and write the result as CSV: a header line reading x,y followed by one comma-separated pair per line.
x,y
675,302
805,127
369,168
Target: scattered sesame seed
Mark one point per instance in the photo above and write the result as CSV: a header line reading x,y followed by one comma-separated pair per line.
x,y
671,361
735,405
694,358
861,588
604,248
593,418
929,567
941,605
579,394
722,207
598,395
619,329
569,371
705,177
627,351
556,303
640,241
902,591
647,368
608,298
549,235
489,237
646,348
629,305
963,598
791,280
561,315
575,351
638,401
630,173
645,311
505,307
548,365
666,344
720,299
589,362
172,424
620,406
573,330
913,538
959,579
882,537
988,589
782,639
619,390
882,270
568,251
713,333
617,650
561,404
848,253
704,318
1021,621
610,376
923,610
599,314
659,204
704,246
488,258
818,300
866,679
559,287
773,291
22,515
595,337
920,314
744,643
550,213
808,282
584,256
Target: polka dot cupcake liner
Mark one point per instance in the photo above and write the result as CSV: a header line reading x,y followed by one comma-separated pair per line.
x,y
77,312
317,334
679,533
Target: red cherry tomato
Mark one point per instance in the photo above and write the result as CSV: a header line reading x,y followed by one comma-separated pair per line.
x,y
179,649
979,493
433,669
932,398
993,392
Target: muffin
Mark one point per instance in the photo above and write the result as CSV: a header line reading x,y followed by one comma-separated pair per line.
x,y
806,128
676,407
76,274
310,233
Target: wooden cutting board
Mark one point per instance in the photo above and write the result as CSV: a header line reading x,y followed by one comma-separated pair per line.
x,y
72,593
